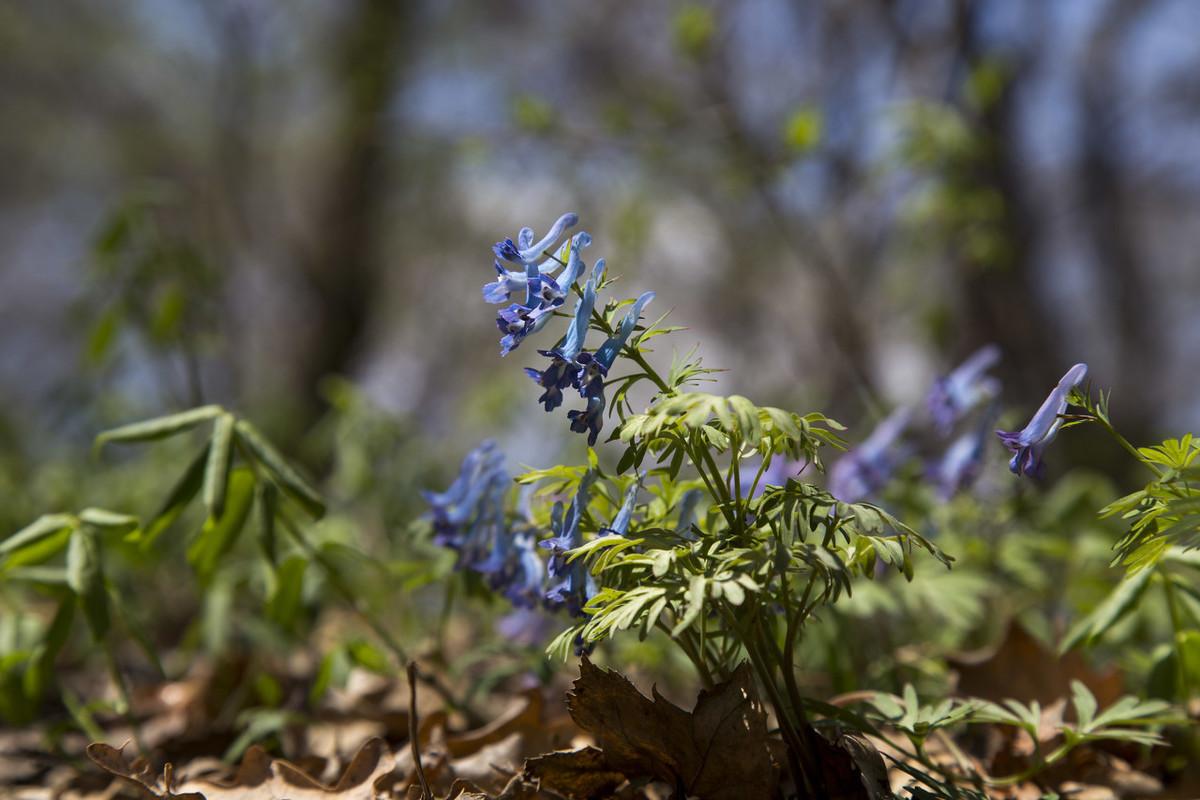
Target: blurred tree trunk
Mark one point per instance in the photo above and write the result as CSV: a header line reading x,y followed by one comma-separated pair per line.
x,y
342,266
1003,301
1108,215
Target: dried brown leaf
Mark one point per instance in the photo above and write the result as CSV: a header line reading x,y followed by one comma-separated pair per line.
x,y
260,777
578,774
1022,668
114,761
718,750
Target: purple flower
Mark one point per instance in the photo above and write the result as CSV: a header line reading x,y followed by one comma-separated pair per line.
x,y
953,395
865,469
1029,443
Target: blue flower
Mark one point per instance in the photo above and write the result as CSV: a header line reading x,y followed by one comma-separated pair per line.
x,y
589,420
687,513
574,591
542,292
469,516
566,526
953,395
576,586
518,321
510,282
525,251
594,367
865,469
1029,443
514,569
563,370
620,524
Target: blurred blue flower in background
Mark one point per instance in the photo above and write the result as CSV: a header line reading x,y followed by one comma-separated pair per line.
x,y
961,464
957,393
865,469
1029,443
469,516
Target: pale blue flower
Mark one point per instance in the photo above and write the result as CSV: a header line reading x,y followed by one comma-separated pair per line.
x,y
576,586
527,252
565,523
1029,443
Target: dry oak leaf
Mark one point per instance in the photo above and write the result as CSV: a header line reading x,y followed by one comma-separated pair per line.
x,y
260,777
114,761
718,751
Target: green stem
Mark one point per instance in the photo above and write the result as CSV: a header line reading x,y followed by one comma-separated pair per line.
x,y
1129,448
762,468
702,460
1026,774
1185,680
688,647
118,680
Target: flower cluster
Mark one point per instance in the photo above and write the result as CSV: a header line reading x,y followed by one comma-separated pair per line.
x,y
570,364
472,517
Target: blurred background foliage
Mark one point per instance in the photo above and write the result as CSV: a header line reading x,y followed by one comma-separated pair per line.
x,y
287,209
